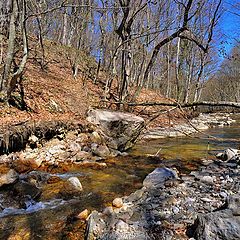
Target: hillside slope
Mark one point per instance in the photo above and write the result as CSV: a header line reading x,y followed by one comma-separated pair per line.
x,y
53,94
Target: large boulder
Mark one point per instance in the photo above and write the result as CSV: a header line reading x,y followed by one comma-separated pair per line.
x,y
222,224
119,130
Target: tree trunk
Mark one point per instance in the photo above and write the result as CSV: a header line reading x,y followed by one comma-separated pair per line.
x,y
65,25
177,70
10,51
21,67
168,72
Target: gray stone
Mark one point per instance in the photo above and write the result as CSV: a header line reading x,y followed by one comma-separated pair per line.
x,y
158,177
57,149
228,154
82,155
122,226
175,210
233,203
74,147
101,151
222,224
119,130
223,195
206,179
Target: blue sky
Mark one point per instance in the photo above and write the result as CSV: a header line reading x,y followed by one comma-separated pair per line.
x,y
230,24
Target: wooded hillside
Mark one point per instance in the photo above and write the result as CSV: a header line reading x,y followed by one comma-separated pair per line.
x,y
121,48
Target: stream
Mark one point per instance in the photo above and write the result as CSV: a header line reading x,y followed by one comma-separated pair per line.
x,y
50,216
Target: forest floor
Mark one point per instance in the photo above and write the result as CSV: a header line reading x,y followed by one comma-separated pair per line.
x,y
53,94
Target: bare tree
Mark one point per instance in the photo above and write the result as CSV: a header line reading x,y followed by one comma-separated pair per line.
x,y
11,74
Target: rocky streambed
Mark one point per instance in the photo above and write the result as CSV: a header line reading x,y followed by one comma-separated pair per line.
x,y
201,205
48,190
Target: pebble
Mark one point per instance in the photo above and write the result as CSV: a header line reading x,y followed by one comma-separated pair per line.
x,y
122,226
175,210
223,195
83,215
117,202
207,179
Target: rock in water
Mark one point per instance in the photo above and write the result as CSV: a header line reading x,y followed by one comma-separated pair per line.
x,y
119,130
72,186
10,177
159,176
22,189
222,224
83,215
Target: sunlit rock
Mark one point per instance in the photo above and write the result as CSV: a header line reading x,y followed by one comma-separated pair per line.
x,y
119,130
95,137
117,202
221,224
229,154
158,177
7,178
101,151
72,187
83,215
27,161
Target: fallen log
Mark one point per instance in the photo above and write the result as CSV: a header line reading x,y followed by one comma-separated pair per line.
x,y
184,105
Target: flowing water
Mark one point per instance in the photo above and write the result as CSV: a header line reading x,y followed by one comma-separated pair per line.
x,y
52,217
